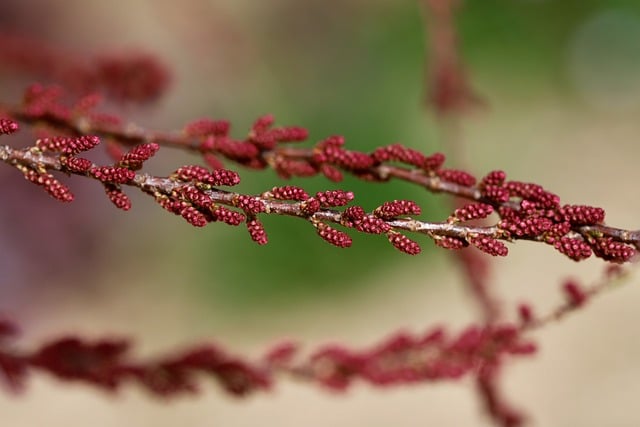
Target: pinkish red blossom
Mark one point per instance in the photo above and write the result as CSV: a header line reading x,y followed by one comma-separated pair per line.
x,y
193,216
396,208
192,173
449,242
112,174
281,354
76,164
335,237
310,206
610,250
288,192
202,175
228,216
262,124
525,312
576,249
333,198
582,215
331,173
55,188
403,243
206,127
139,154
290,134
213,161
575,293
372,224
489,245
68,145
493,178
8,126
530,227
534,193
400,153
353,213
240,151
257,232
456,176
495,193
251,205
287,168
56,143
330,150
195,196
473,211
433,162
117,197
132,76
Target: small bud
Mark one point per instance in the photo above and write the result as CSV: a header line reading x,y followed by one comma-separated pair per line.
x,y
403,243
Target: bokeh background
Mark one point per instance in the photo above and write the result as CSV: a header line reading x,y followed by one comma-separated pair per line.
x,y
560,84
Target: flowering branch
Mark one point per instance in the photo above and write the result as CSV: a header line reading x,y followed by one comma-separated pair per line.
x,y
134,77
400,359
526,211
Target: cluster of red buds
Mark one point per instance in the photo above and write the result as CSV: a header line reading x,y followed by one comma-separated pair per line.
x,y
524,210
133,77
400,359
479,351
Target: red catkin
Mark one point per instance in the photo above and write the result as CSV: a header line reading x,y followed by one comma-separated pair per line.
x,y
403,243
371,224
117,197
534,193
331,173
525,312
138,155
433,162
473,211
582,215
456,177
262,124
112,174
228,216
395,208
332,198
205,127
201,174
290,134
333,236
531,227
223,177
8,126
448,242
310,206
400,153
576,249
196,197
257,231
489,245
55,188
193,216
575,293
76,164
610,250
288,192
493,178
353,213
495,193
250,205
